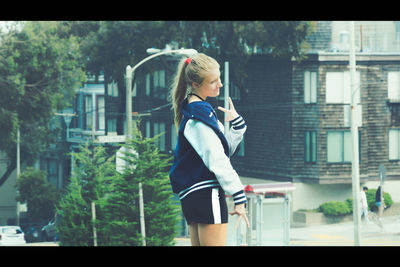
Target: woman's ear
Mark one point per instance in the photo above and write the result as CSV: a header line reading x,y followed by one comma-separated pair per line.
x,y
195,85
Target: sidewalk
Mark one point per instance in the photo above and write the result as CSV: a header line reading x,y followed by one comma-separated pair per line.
x,y
340,234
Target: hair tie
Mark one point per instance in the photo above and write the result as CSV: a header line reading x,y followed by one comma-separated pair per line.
x,y
188,60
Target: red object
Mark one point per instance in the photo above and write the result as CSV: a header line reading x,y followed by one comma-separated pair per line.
x,y
248,188
188,60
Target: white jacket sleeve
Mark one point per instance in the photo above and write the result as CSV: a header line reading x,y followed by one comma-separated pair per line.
x,y
235,133
209,147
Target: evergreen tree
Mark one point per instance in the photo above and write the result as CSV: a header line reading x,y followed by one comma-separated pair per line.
x,y
90,182
122,223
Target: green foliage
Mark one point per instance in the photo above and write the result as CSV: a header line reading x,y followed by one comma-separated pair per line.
x,y
117,199
39,70
40,195
121,224
334,208
371,193
90,182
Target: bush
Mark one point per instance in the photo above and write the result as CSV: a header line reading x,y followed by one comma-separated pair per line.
x,y
338,208
334,208
371,199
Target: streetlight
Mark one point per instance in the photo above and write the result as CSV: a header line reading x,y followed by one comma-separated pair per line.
x,y
129,76
354,135
128,133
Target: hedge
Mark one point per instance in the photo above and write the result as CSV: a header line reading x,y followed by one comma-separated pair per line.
x,y
340,208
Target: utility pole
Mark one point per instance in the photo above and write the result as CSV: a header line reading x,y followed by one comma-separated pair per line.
x,y
226,93
354,137
18,173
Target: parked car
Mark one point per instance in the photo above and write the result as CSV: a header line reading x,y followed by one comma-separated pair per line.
x,y
49,232
32,233
11,236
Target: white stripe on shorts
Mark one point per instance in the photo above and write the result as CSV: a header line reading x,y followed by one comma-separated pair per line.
x,y
215,206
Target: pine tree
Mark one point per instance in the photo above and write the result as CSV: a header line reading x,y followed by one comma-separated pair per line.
x,y
149,167
90,182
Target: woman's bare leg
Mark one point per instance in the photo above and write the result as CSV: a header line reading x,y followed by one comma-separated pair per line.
x,y
194,234
212,234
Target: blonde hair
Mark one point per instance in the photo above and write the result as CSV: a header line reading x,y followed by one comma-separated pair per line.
x,y
193,71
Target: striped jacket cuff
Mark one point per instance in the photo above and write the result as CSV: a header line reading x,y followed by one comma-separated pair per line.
x,y
238,123
239,197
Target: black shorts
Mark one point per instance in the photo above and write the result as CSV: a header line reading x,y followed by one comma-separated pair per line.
x,y
206,206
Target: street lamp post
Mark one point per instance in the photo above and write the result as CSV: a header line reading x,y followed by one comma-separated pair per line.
x,y
128,133
354,135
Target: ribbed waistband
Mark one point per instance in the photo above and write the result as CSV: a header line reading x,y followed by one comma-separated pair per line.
x,y
198,186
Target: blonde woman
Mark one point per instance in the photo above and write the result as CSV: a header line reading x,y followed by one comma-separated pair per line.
x,y
201,173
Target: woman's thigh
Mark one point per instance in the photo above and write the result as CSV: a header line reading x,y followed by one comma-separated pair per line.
x,y
212,234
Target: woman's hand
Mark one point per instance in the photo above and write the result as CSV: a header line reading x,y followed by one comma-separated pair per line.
x,y
230,113
240,210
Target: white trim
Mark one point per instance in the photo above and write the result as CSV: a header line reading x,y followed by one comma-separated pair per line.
x,y
215,206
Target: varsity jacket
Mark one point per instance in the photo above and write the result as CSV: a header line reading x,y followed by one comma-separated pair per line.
x,y
201,158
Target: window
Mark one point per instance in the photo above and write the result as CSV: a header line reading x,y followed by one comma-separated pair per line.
x,y
338,88
88,112
148,84
112,89
310,87
339,146
174,136
148,129
394,144
394,85
100,111
159,84
159,127
111,125
310,146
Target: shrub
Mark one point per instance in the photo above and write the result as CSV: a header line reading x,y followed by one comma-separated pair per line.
x,y
371,199
337,208
334,208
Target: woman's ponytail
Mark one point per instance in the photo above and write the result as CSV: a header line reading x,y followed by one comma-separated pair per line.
x,y
179,90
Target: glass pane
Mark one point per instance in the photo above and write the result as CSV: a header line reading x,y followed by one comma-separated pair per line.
x,y
174,136
101,112
394,85
313,146
306,87
307,146
162,137
313,87
334,87
88,112
335,146
393,144
348,146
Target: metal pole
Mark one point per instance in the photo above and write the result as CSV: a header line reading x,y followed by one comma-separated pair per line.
x,y
94,224
128,134
226,93
354,135
128,121
18,173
